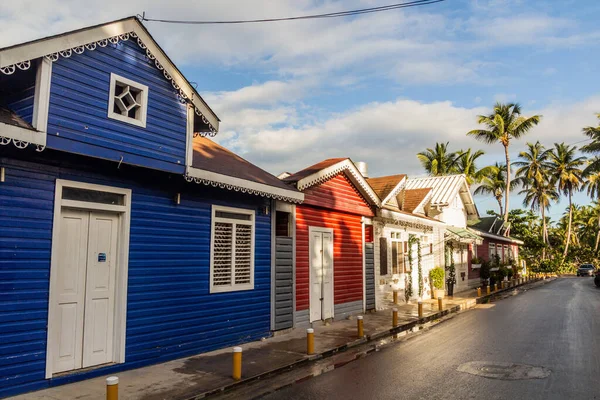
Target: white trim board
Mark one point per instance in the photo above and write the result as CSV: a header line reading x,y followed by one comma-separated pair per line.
x,y
226,180
22,134
120,316
348,167
41,102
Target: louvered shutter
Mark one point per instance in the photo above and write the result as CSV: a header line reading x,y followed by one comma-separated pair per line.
x,y
222,254
243,254
394,257
383,258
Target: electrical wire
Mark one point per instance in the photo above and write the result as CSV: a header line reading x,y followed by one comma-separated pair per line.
x,y
414,3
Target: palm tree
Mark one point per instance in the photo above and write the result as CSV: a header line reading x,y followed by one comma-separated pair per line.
x,y
592,182
538,196
532,164
504,124
568,176
494,183
438,161
466,164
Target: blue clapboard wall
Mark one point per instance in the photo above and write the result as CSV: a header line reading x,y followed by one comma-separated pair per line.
x,y
78,115
170,312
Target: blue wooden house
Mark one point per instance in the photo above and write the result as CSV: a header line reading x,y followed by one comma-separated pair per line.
x,y
127,236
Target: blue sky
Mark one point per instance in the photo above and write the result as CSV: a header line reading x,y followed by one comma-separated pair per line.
x,y
377,88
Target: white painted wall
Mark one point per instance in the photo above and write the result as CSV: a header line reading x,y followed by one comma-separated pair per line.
x,y
455,214
386,284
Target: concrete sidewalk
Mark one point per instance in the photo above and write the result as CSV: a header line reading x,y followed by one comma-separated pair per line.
x,y
210,373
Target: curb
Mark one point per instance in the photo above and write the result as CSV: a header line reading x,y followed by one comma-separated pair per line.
x,y
367,339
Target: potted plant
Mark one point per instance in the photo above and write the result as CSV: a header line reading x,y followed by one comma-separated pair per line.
x,y
484,273
436,276
476,263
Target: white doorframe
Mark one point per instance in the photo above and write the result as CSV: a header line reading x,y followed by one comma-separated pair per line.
x,y
312,229
124,212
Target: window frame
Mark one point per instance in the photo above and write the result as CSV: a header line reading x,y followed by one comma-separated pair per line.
x,y
233,287
141,122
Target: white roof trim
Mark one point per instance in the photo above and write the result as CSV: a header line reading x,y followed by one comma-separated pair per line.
x,y
242,185
497,237
395,191
21,137
421,205
348,167
386,213
20,56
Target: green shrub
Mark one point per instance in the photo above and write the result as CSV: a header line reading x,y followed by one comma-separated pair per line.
x,y
437,277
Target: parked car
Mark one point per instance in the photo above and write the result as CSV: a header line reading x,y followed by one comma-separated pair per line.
x,y
585,270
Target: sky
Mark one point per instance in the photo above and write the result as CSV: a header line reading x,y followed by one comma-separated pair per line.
x,y
376,88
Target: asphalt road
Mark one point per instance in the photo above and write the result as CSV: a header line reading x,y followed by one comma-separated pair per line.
x,y
555,326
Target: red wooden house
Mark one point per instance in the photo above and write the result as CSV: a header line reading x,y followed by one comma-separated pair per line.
x,y
330,228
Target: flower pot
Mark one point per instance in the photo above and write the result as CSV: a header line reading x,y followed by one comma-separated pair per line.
x,y
475,266
450,289
438,293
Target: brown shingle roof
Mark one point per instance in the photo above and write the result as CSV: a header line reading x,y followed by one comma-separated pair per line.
x,y
210,156
10,118
312,169
414,197
384,185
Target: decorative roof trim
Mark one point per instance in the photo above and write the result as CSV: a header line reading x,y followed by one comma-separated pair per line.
x,y
346,166
406,224
403,216
21,137
395,191
91,38
242,185
427,198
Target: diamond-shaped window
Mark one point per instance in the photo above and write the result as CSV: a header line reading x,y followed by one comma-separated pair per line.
x,y
127,101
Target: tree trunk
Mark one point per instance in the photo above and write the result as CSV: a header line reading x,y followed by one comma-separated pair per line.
x,y
499,199
569,226
598,235
543,234
507,190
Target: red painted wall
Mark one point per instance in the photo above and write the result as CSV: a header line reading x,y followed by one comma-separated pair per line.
x,y
339,194
334,204
368,233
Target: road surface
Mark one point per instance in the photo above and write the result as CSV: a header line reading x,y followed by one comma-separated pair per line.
x,y
554,328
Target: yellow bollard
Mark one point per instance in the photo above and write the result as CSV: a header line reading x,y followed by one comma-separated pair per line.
x,y
420,308
310,341
112,388
440,304
394,317
495,287
478,292
395,297
487,290
237,364
359,326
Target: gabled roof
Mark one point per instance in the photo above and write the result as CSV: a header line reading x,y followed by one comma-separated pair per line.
x,y
444,190
88,39
387,186
413,198
327,169
492,228
213,164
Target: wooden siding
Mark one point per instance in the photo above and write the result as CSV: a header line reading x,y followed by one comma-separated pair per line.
x,y
368,233
17,92
339,194
170,312
347,253
78,121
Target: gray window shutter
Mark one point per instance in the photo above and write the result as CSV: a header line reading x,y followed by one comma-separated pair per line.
x,y
383,257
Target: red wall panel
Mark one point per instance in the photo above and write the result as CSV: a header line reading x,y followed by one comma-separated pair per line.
x,y
347,253
339,194
368,233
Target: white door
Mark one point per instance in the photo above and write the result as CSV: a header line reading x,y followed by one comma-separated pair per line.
x,y
321,275
83,331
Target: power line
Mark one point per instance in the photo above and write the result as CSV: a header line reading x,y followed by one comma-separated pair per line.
x,y
414,3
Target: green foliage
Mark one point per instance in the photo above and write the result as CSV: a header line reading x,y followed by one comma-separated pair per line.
x,y
450,269
436,276
408,289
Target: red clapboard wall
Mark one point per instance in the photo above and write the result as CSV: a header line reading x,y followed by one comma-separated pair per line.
x,y
334,204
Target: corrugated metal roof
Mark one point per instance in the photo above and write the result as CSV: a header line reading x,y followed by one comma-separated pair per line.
x,y
444,188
